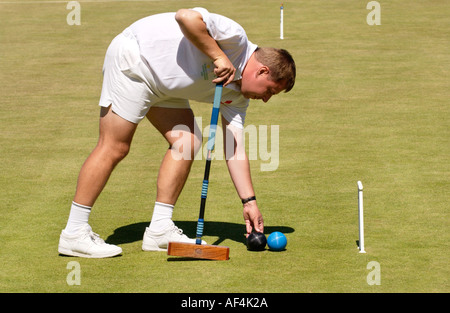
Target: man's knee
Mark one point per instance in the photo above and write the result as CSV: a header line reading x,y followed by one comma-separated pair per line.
x,y
116,135
121,150
186,144
113,152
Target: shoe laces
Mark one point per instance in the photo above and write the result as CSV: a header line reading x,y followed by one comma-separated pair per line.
x,y
177,230
95,237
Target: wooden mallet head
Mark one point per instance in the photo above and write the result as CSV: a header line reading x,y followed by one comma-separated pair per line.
x,y
196,251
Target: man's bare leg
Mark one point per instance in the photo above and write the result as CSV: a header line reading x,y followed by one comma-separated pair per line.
x,y
179,128
113,145
77,239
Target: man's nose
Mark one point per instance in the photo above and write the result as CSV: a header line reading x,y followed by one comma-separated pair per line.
x,y
266,98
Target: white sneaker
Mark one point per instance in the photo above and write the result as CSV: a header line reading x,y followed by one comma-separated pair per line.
x,y
86,244
159,241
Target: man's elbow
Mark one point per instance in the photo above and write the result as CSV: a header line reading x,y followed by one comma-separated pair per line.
x,y
180,15
184,15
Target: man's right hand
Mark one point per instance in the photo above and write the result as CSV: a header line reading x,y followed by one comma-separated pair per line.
x,y
224,70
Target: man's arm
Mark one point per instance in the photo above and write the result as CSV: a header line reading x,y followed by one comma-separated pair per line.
x,y
239,169
192,25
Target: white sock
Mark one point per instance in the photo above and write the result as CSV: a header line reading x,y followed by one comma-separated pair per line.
x,y
162,217
78,217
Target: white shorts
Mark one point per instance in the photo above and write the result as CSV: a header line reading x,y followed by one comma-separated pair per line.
x,y
128,84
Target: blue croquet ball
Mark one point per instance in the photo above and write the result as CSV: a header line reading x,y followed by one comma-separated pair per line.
x,y
277,241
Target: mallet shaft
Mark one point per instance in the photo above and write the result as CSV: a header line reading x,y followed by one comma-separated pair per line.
x,y
210,147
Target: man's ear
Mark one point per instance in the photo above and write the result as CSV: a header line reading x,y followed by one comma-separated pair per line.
x,y
263,70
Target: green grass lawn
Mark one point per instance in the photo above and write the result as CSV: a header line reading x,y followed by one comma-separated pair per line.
x,y
371,103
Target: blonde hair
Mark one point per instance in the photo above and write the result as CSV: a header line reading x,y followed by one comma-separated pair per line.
x,y
280,63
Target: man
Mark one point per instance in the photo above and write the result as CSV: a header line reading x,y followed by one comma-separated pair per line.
x,y
151,70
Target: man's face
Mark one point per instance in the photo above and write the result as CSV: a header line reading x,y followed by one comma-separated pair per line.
x,y
257,85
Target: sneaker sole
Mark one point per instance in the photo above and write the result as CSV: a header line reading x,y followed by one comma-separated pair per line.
x,y
152,248
67,252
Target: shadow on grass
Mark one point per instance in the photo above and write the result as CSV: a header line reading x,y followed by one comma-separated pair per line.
x,y
222,230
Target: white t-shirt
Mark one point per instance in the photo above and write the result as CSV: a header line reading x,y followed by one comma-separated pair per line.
x,y
182,71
